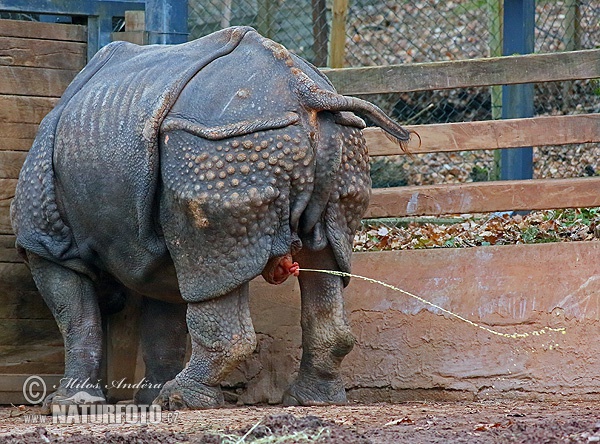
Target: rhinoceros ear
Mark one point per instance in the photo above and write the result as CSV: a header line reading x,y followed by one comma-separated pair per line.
x,y
229,130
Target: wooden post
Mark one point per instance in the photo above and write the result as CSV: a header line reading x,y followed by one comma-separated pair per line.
x,y
573,25
122,338
135,29
320,32
264,18
337,44
572,42
135,21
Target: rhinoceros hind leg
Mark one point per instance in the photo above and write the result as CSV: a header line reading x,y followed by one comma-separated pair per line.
x,y
163,341
326,336
71,297
222,336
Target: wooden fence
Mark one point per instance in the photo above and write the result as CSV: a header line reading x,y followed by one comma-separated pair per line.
x,y
485,135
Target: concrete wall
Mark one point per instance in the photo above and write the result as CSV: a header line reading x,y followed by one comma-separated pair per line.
x,y
406,350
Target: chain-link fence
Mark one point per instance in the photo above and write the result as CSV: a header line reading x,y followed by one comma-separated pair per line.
x,y
389,32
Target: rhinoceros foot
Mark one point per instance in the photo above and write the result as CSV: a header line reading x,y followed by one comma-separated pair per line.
x,y
315,391
176,396
73,396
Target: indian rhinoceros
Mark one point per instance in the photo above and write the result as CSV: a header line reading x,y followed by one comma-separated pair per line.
x,y
181,173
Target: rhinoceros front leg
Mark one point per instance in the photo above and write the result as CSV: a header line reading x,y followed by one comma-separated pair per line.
x,y
222,336
71,297
163,341
326,336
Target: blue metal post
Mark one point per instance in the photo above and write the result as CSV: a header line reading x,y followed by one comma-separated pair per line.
x,y
517,100
166,21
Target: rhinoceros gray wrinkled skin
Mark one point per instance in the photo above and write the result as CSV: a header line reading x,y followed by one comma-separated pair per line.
x,y
181,173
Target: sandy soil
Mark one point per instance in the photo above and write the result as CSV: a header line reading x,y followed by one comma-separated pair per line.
x,y
414,422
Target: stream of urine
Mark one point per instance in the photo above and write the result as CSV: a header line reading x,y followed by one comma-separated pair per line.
x,y
514,335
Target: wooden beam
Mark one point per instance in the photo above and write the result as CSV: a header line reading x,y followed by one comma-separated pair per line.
x,y
13,144
28,81
7,192
28,331
490,134
21,109
11,163
42,53
8,252
529,68
484,197
15,382
18,303
16,275
45,31
337,44
135,21
17,136
122,341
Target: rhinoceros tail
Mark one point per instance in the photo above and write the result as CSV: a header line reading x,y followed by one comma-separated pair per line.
x,y
318,99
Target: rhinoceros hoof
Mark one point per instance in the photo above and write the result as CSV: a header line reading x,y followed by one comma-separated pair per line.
x,y
65,396
315,392
175,396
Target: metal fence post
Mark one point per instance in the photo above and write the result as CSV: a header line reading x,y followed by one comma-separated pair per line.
x,y
166,21
517,100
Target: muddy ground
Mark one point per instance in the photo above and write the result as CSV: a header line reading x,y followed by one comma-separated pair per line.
x,y
413,422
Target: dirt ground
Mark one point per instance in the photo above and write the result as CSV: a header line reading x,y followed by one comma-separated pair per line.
x,y
413,422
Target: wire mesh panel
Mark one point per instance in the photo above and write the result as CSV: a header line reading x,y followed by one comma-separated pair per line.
x,y
392,31
289,22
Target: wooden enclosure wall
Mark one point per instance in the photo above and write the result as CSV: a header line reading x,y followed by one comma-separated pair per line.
x,y
37,62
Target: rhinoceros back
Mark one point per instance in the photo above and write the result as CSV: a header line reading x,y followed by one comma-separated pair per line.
x,y
97,150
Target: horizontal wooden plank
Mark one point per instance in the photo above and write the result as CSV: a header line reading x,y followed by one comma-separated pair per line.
x,y
23,109
46,31
8,253
42,53
466,73
17,136
11,144
28,331
483,197
16,276
22,304
14,382
13,130
11,163
26,81
5,226
490,134
32,359
7,188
